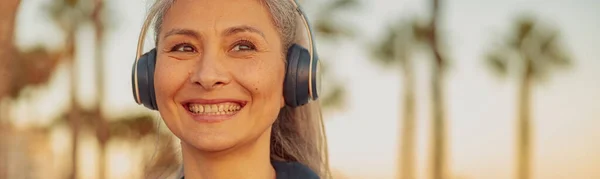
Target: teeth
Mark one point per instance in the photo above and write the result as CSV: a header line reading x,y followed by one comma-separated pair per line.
x,y
214,109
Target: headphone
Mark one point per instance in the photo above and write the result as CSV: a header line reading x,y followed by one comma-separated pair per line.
x,y
301,82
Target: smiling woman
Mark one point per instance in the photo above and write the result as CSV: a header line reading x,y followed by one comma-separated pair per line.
x,y
236,81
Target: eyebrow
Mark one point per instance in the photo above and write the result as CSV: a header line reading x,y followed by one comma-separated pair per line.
x,y
242,28
227,32
185,32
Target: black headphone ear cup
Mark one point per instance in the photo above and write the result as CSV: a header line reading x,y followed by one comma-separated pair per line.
x,y
145,79
289,84
296,84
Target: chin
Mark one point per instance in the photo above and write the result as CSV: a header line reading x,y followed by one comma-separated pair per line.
x,y
211,143
220,140
206,134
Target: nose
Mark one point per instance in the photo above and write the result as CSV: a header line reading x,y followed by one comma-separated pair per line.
x,y
209,72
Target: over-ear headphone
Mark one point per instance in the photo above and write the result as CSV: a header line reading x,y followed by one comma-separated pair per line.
x,y
301,78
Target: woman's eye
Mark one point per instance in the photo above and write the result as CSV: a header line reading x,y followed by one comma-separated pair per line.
x,y
244,46
183,48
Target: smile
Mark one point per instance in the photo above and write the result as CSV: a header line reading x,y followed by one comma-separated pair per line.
x,y
225,108
211,111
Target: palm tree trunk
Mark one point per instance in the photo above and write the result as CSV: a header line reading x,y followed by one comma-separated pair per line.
x,y
524,125
8,14
438,123
407,145
74,112
75,127
102,133
439,127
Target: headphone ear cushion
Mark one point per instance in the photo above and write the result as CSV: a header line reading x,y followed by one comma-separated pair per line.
x,y
296,82
289,84
145,78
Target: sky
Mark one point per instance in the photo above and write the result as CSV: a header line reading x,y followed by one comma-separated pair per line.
x,y
363,136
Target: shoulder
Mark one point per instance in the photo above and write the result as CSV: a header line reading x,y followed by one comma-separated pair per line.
x,y
293,170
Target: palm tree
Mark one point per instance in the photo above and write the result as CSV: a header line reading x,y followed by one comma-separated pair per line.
x,y
394,51
19,68
70,15
101,125
8,14
533,50
328,29
431,35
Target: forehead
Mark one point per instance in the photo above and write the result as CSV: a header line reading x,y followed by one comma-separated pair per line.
x,y
204,15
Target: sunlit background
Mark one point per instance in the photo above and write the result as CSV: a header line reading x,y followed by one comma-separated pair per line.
x,y
490,90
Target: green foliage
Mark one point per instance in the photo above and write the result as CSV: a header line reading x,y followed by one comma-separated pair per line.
x,y
398,42
537,47
342,4
523,29
335,97
330,28
420,30
327,27
385,50
69,14
498,62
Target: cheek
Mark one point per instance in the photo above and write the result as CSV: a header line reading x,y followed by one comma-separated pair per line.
x,y
166,76
263,79
169,76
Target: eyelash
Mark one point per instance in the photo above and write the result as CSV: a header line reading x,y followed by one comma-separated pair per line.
x,y
184,44
244,42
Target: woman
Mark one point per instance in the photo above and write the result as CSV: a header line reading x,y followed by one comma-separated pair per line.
x,y
231,82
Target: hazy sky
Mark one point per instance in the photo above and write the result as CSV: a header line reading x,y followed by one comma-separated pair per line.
x,y
480,106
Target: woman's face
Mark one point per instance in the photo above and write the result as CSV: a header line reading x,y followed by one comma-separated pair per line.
x,y
219,72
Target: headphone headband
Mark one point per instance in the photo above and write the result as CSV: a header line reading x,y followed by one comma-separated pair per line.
x,y
311,51
311,46
149,18
140,48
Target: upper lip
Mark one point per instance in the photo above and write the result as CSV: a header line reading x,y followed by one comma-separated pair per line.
x,y
214,101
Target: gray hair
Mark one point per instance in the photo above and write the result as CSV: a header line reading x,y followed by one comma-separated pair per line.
x,y
298,133
282,13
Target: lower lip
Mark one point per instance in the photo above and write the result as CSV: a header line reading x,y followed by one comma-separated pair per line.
x,y
211,118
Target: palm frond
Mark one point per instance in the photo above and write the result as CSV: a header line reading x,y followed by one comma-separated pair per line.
x,y
538,48
524,27
342,4
335,97
384,51
329,29
551,52
498,62
395,47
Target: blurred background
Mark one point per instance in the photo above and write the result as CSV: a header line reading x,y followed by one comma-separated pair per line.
x,y
414,89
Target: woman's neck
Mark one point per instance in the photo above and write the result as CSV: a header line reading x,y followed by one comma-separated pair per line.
x,y
247,161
